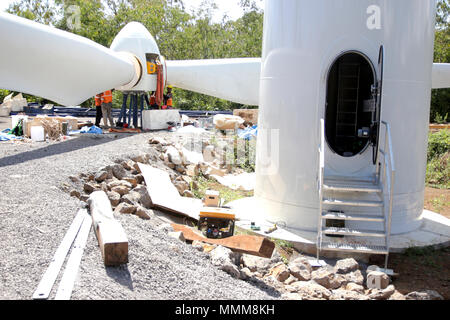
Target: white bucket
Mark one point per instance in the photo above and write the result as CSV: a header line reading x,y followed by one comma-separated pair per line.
x,y
37,133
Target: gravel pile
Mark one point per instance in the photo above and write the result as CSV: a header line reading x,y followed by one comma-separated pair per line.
x,y
36,210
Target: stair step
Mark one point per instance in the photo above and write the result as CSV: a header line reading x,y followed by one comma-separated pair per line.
x,y
358,203
354,247
351,187
352,232
351,216
366,179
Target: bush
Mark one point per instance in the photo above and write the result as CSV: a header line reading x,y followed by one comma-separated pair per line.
x,y
438,144
438,166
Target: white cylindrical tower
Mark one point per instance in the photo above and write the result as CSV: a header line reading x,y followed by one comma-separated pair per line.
x,y
309,48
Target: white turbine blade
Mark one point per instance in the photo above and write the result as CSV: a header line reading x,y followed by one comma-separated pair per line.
x,y
235,80
441,75
57,65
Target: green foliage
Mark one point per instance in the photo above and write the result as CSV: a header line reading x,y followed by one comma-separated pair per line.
x,y
440,98
438,166
438,144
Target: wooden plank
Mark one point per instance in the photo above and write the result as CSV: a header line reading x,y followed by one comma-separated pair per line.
x,y
70,273
164,194
111,236
45,285
254,245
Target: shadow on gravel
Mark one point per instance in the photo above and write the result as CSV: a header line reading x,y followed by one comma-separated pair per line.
x,y
261,285
83,141
121,274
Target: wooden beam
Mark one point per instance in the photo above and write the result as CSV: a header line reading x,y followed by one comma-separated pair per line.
x,y
70,273
254,245
48,279
111,236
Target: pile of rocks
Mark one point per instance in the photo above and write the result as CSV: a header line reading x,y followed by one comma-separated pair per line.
x,y
122,182
298,280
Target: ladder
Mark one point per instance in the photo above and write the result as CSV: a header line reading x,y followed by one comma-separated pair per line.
x,y
348,101
354,201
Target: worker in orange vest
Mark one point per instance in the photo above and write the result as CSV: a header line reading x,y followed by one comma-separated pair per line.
x,y
107,108
168,98
98,107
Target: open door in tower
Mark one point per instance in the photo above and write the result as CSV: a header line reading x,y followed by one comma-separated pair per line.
x,y
353,102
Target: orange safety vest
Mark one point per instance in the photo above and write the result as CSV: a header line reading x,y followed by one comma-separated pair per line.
x,y
107,96
169,102
98,99
152,100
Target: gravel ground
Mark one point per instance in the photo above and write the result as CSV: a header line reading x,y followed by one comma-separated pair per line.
x,y
35,213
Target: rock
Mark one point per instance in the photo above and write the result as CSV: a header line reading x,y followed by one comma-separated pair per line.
x,y
291,296
131,180
354,287
290,280
144,199
355,277
125,208
118,171
341,294
75,193
113,197
192,170
165,227
326,277
181,186
424,295
309,290
101,176
346,265
377,280
301,269
177,235
188,193
144,213
136,167
142,158
255,263
280,272
158,140
74,179
191,157
89,187
173,155
197,245
180,169
128,165
213,170
397,296
223,258
121,190
132,197
377,294
245,273
208,153
139,178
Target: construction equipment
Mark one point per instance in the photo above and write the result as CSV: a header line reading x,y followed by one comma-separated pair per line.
x,y
215,221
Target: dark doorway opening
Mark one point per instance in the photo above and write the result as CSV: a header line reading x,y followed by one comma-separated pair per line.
x,y
350,104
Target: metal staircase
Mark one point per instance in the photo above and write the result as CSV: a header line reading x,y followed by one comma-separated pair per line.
x,y
346,203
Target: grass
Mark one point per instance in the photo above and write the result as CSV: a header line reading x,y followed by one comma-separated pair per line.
x,y
226,193
426,256
439,203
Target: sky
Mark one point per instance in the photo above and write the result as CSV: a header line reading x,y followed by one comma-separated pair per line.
x,y
230,7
